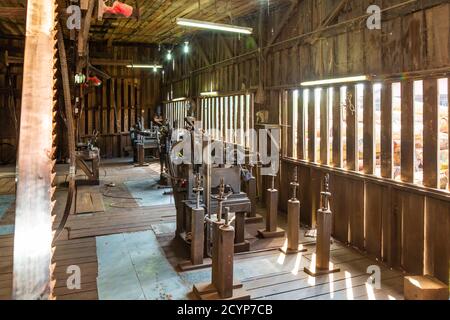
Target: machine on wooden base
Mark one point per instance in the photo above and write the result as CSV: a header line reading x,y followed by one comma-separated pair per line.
x,y
197,235
324,223
88,160
272,230
222,286
141,156
293,245
252,216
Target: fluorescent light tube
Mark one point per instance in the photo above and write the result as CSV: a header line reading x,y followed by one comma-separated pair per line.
x,y
144,66
334,81
179,99
209,94
213,26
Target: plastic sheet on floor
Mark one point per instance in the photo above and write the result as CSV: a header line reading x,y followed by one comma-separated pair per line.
x,y
148,193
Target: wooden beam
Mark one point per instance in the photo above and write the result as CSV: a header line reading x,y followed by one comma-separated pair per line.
x,y
407,135
386,130
226,46
13,12
337,128
202,53
430,134
352,129
33,225
286,17
110,62
301,149
324,128
369,130
83,36
311,127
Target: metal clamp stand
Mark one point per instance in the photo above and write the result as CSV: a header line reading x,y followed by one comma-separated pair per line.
x,y
272,230
293,221
324,221
222,286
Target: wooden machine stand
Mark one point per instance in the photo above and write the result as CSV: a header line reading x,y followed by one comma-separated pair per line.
x,y
141,155
293,222
222,286
197,247
324,221
83,158
252,216
272,230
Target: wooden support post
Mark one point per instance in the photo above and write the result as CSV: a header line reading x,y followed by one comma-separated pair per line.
x,y
33,222
431,172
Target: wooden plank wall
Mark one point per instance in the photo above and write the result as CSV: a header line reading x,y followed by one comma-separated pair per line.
x,y
398,221
8,139
114,107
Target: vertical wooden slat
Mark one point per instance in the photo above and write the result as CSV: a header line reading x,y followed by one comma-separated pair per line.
x,y
407,136
374,206
386,130
311,127
126,106
339,207
104,108
133,104
90,112
112,119
119,105
430,134
437,242
337,128
301,150
412,232
324,128
288,122
369,130
352,129
355,205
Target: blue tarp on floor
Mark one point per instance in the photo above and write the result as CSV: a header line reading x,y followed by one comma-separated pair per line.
x,y
5,203
148,193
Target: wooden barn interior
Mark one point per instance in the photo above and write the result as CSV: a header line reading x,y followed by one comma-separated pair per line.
x,y
224,150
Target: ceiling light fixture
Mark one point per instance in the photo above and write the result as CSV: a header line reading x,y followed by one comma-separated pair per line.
x,y
213,26
186,47
209,94
334,81
144,66
169,55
